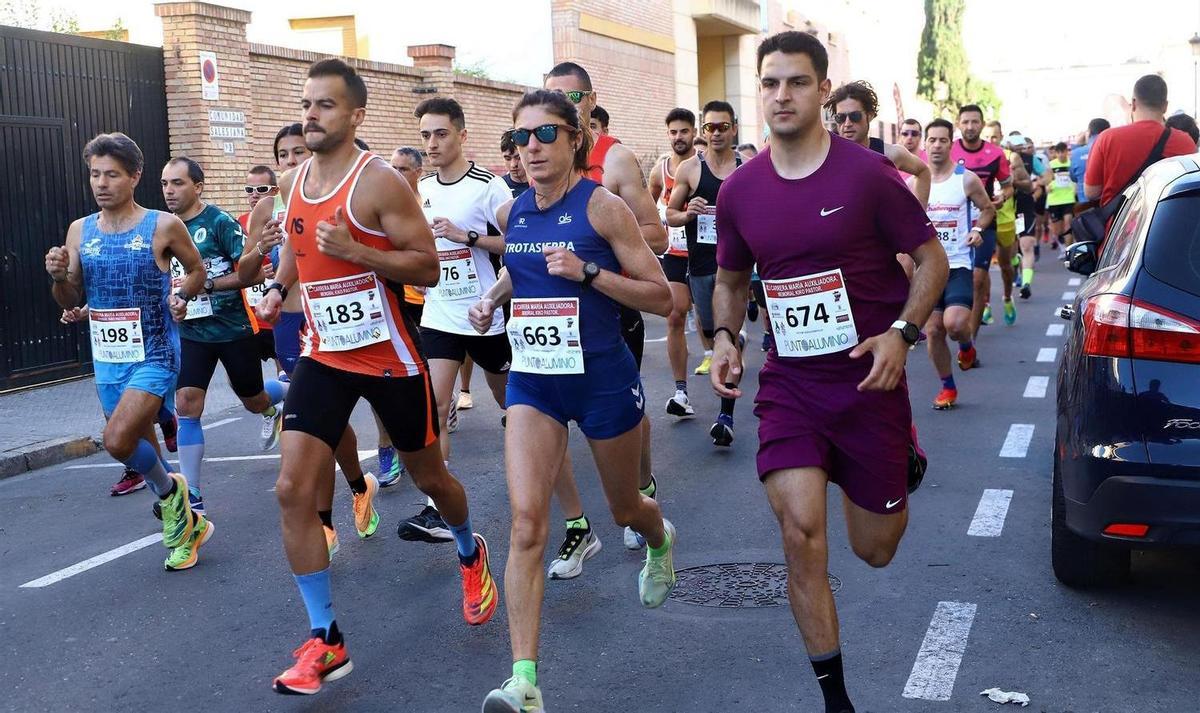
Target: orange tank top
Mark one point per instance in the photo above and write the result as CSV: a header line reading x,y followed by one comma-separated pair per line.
x,y
676,238
355,320
596,157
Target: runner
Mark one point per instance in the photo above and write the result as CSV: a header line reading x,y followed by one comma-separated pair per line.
x,y
599,121
1060,193
693,206
616,167
854,106
261,183
827,258
118,262
910,138
216,328
459,201
747,151
990,164
570,364
959,210
681,129
349,252
516,179
1006,219
1079,159
1026,196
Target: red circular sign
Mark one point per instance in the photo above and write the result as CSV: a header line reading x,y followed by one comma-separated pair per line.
x,y
209,68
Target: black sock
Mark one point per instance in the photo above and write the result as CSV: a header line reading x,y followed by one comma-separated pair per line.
x,y
358,486
828,668
465,391
333,636
681,386
650,490
326,518
727,406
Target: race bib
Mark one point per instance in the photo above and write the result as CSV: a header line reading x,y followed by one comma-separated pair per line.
x,y
706,226
947,232
676,237
458,279
117,335
201,304
347,312
1020,223
811,315
254,294
544,334
1062,179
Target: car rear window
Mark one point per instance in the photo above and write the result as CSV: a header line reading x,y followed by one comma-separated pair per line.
x,y
1173,244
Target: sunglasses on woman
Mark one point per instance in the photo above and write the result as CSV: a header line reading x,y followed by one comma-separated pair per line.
x,y
854,116
546,134
261,190
712,126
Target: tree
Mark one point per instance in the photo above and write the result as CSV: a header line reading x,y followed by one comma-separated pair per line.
x,y
28,14
943,74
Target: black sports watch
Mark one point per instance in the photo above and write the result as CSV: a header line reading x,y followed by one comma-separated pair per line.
x,y
183,295
209,285
590,272
908,330
277,286
472,238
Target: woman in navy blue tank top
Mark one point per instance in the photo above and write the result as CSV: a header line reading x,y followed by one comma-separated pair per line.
x,y
573,256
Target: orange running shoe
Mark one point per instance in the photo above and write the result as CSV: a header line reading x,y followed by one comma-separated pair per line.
x,y
968,359
945,399
316,662
480,594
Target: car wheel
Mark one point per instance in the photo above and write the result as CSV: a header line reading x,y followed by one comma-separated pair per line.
x,y
1079,562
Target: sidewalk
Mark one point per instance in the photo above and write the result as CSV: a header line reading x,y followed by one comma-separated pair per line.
x,y
51,424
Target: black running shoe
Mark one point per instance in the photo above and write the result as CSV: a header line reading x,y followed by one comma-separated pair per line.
x,y
425,526
1026,292
917,463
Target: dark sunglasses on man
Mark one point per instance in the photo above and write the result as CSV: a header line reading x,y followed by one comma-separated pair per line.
x,y
712,126
911,132
575,95
260,190
546,134
854,117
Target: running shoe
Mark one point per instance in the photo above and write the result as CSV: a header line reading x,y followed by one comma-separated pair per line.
x,y
987,315
1026,292
170,431
1010,313
580,544
633,540
480,594
679,406
186,555
945,399
768,342
425,526
390,467
752,311
968,359
705,365
271,427
918,462
690,325
722,431
130,481
657,577
452,416
176,513
465,401
366,518
516,695
331,541
195,499
316,663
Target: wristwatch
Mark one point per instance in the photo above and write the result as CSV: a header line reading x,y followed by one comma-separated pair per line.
x,y
183,295
277,286
908,330
590,271
208,286
472,238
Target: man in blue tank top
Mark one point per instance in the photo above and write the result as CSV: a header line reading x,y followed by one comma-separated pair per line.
x,y
118,262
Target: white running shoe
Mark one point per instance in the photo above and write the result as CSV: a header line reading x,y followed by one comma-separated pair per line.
x,y
271,427
452,417
579,545
633,541
679,405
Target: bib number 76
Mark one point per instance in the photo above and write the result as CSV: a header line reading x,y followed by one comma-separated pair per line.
x,y
800,316
541,336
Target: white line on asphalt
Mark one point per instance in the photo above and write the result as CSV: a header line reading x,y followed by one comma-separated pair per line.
x,y
1068,296
989,516
1035,388
1055,330
222,422
1047,354
1074,281
96,561
660,339
936,667
1016,443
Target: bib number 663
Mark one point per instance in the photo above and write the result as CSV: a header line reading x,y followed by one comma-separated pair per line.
x,y
541,336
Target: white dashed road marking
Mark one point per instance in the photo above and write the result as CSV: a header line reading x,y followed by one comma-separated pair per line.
x,y
1055,330
1074,281
1068,296
1016,443
1035,388
1047,354
96,561
941,653
222,422
989,516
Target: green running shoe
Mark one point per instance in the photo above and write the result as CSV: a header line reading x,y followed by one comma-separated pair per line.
x,y
1010,313
987,315
657,577
176,514
186,555
516,695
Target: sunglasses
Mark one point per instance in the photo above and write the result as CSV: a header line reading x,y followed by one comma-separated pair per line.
x,y
546,134
575,95
854,117
910,133
261,190
711,126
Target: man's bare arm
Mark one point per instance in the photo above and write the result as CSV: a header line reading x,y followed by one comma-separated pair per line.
x,y
414,261
910,164
623,177
686,176
68,290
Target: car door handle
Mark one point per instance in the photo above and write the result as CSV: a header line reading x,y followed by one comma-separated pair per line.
x,y
1067,312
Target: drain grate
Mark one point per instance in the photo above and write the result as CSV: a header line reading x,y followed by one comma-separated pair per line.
x,y
736,585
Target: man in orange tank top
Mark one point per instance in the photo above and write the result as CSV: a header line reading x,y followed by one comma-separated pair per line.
x,y
356,235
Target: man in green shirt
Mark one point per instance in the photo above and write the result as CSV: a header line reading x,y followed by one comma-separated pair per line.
x,y
217,326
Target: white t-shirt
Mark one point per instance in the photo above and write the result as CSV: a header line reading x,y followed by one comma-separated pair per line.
x,y
470,203
952,217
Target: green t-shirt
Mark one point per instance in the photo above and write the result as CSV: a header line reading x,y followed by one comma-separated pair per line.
x,y
219,238
1062,188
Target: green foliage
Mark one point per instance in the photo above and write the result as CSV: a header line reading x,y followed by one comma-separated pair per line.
x,y
477,69
28,14
116,32
943,73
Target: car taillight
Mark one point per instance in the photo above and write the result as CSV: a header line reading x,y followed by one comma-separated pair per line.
x,y
1116,326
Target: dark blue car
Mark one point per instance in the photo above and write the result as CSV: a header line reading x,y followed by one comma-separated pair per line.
x,y
1127,442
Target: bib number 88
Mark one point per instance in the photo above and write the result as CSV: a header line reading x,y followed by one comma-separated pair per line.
x,y
799,316
342,313
542,336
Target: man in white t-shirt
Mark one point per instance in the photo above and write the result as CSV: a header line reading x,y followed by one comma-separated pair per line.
x,y
460,201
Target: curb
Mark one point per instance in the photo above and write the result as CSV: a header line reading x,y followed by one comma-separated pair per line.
x,y
45,453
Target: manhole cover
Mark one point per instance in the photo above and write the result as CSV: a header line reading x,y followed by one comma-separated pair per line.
x,y
736,585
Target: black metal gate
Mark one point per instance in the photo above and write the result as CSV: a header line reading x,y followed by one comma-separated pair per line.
x,y
56,92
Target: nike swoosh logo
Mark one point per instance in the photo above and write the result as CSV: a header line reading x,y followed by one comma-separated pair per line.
x,y
891,504
831,212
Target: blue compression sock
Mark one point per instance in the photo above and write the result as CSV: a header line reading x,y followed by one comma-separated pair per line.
x,y
464,539
948,381
318,598
276,391
145,460
191,449
964,346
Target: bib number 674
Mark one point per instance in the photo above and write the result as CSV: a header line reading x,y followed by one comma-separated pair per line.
x,y
799,316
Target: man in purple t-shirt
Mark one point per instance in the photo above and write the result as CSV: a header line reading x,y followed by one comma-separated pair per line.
x,y
824,219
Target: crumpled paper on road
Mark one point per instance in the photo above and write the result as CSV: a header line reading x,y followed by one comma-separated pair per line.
x,y
998,696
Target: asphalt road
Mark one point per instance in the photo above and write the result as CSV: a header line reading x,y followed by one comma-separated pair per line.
x,y
969,602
